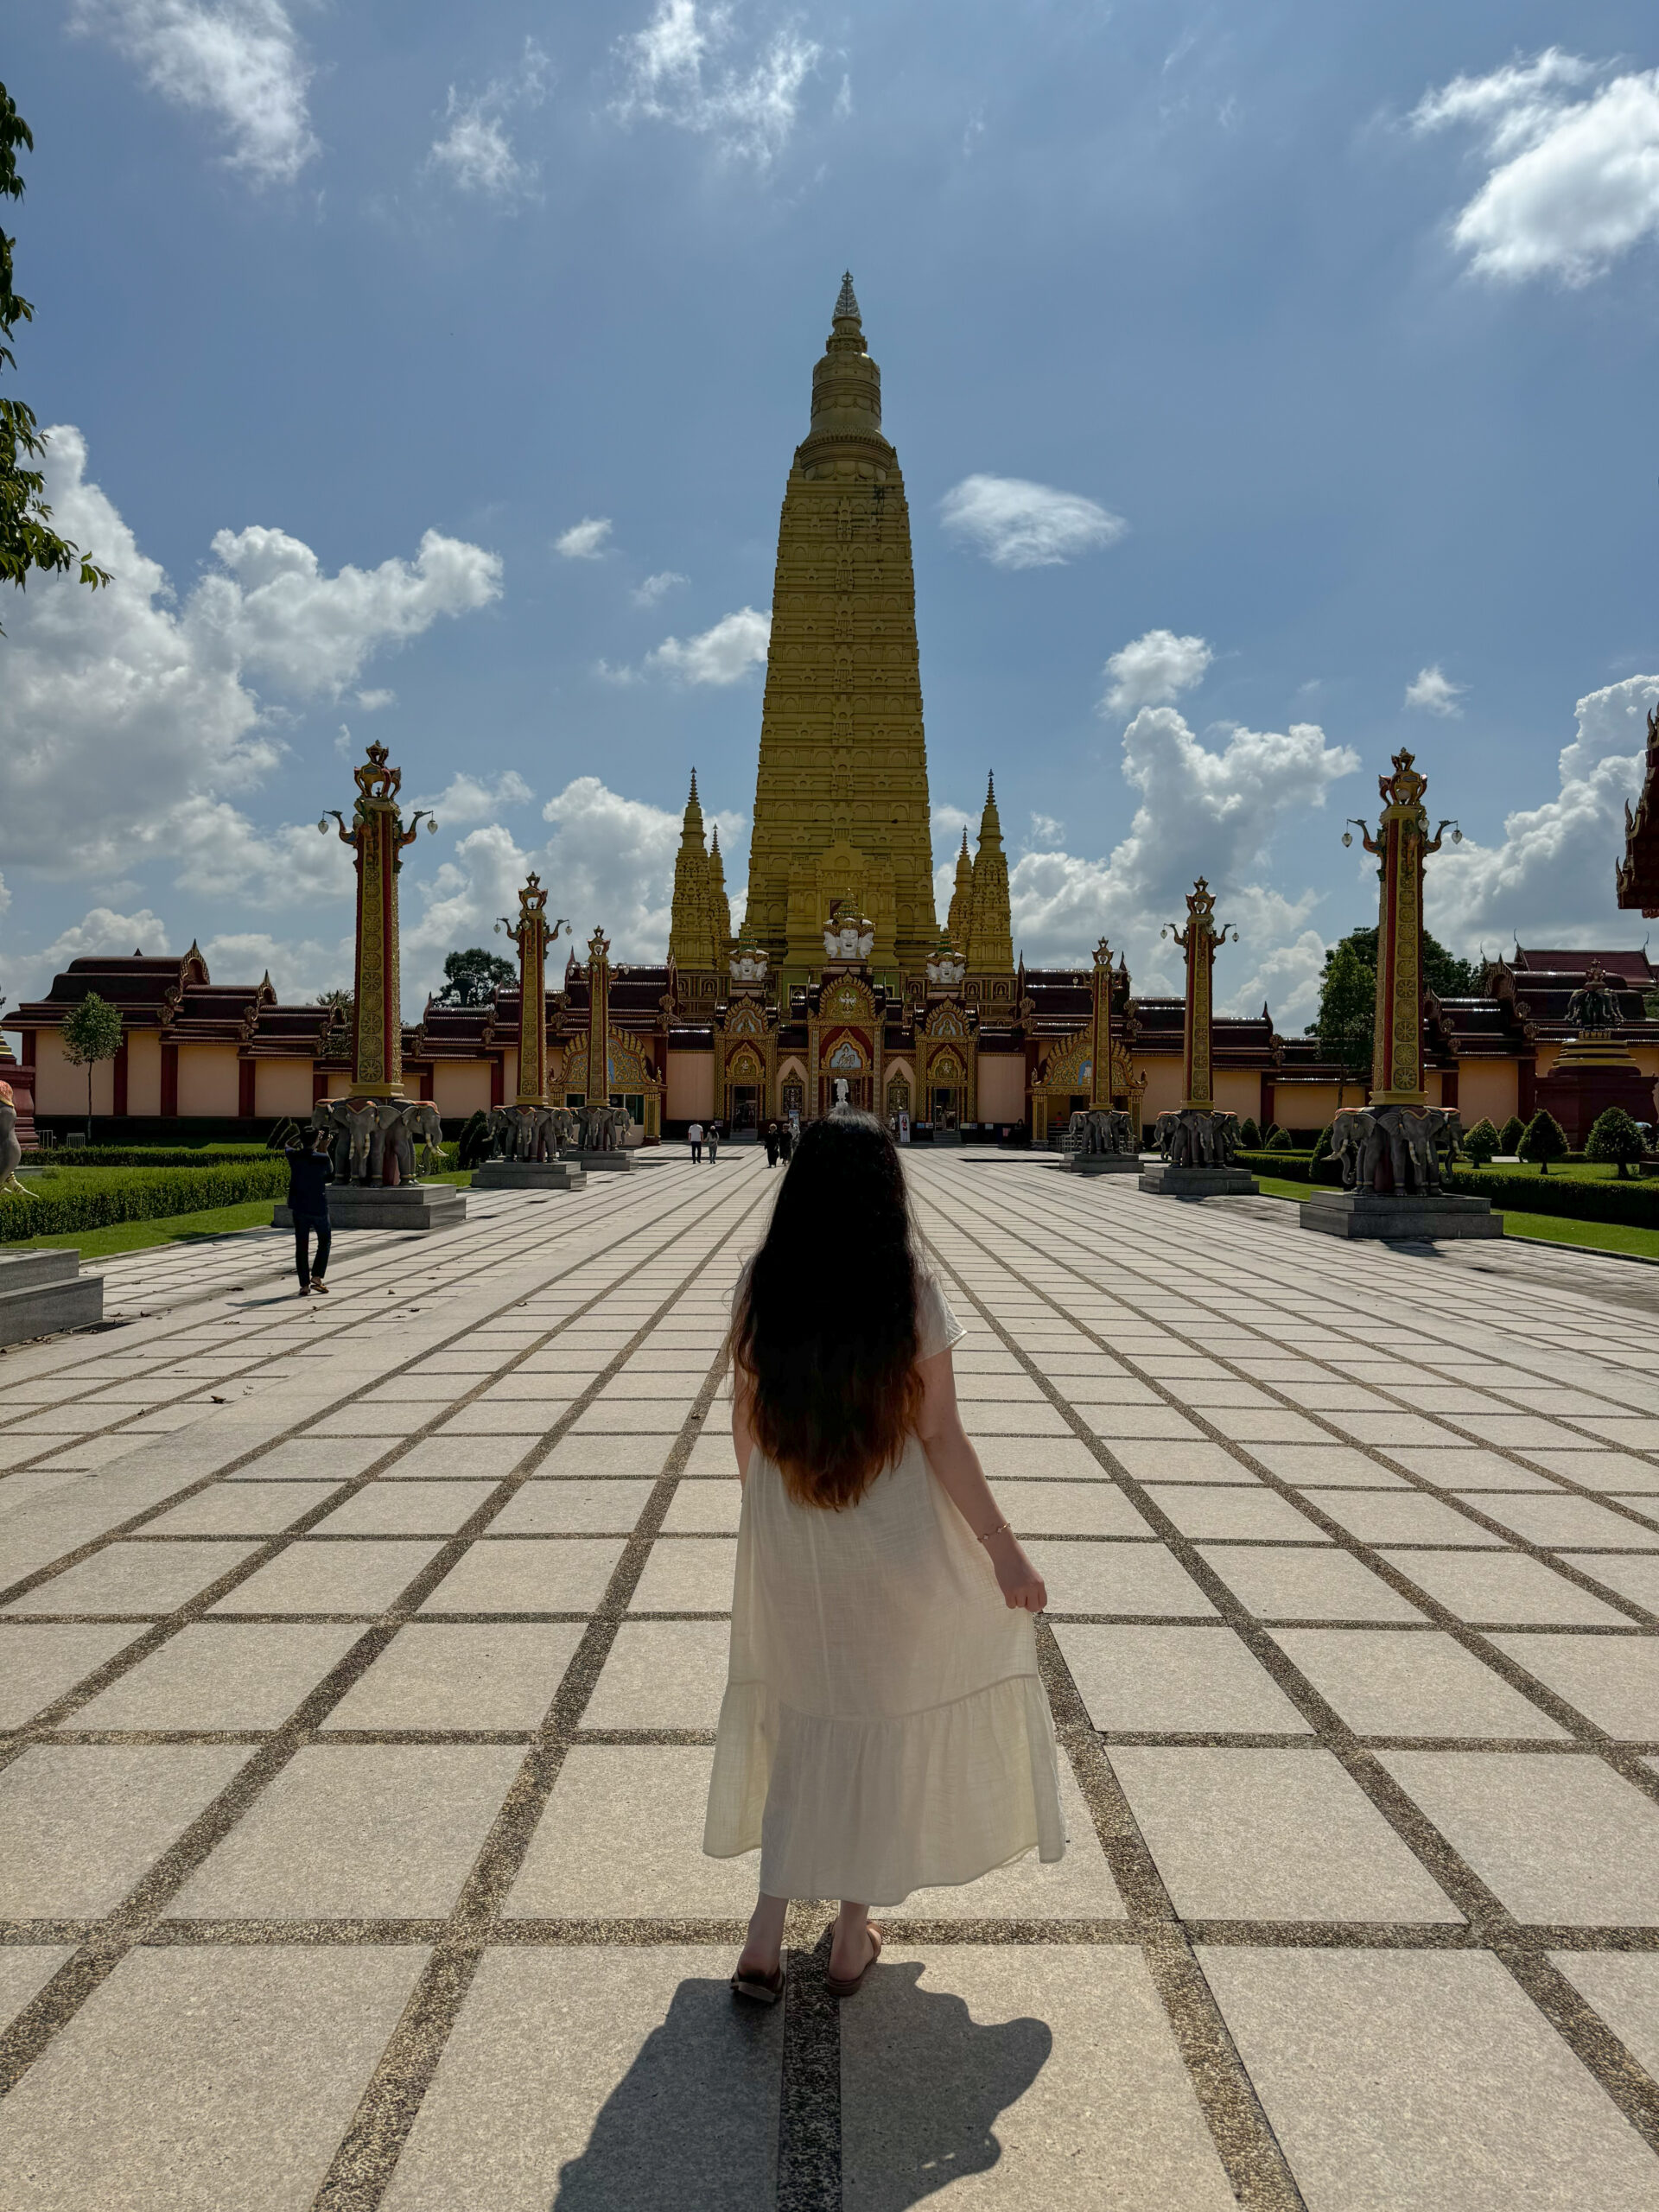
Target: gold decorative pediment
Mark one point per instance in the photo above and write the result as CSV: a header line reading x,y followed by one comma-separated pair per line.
x,y
847,1000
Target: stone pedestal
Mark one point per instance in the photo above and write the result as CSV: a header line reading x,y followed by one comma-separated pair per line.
x,y
1101,1163
41,1293
528,1175
607,1163
414,1206
1414,1216
1165,1181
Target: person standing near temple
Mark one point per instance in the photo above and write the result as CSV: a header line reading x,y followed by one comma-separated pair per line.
x,y
309,1174
695,1136
714,1143
884,1727
771,1144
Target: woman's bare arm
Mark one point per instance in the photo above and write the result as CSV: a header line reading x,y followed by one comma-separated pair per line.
x,y
742,1435
955,1461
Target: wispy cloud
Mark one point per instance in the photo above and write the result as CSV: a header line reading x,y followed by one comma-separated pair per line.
x,y
655,587
476,151
724,654
1571,182
584,540
239,61
689,66
1016,525
1152,669
470,798
1435,692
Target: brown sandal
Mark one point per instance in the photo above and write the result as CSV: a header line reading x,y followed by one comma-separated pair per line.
x,y
839,1987
760,1989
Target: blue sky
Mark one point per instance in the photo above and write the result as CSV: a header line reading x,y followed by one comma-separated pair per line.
x,y
1297,362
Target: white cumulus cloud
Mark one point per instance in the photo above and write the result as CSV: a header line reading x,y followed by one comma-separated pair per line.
x,y
1552,877
301,970
472,798
584,540
28,975
127,716
657,587
1152,669
475,151
725,654
1573,175
1432,689
1016,525
239,61
690,66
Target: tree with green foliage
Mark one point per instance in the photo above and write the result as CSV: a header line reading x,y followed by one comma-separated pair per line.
x,y
1482,1141
1345,1024
91,1032
1614,1136
27,538
343,1001
1545,1140
473,977
1249,1137
1279,1142
474,1141
1509,1136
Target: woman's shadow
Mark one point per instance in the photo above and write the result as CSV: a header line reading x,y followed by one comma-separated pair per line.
x,y
693,2125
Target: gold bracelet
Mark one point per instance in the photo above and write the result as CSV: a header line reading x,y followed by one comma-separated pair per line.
x,y
997,1531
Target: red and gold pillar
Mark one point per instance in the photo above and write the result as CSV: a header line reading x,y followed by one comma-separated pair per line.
x,y
377,837
532,933
1401,844
1200,941
1100,1042
599,1019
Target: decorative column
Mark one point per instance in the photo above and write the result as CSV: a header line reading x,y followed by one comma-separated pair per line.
x,y
1200,941
377,837
599,1018
1401,845
532,933
1196,1143
1100,1042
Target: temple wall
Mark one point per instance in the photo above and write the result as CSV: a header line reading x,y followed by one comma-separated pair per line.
x,y
1002,1086
1303,1105
461,1088
283,1087
143,1071
208,1080
1238,1090
1487,1092
60,1087
691,1087
1163,1092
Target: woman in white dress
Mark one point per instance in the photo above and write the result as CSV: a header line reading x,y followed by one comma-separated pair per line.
x,y
884,1728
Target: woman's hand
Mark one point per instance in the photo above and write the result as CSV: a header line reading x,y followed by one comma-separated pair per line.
x,y
1022,1587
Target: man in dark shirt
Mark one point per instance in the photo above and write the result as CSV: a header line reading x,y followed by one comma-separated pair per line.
x,y
309,1177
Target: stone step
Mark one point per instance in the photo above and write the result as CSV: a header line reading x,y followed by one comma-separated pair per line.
x,y
416,1207
42,1293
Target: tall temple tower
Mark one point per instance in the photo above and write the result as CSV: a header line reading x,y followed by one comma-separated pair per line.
x,y
841,805
691,943
990,933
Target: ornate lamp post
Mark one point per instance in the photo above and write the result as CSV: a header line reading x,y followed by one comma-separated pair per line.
x,y
1196,1141
377,837
1100,1041
532,933
1401,845
1200,941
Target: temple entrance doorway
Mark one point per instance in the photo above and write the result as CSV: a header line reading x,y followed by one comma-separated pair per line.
x,y
743,1112
861,1092
947,1105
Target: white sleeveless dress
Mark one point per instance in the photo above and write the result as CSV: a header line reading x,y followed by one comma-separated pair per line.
x,y
884,1728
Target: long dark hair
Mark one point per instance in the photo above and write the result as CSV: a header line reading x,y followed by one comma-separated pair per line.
x,y
825,1327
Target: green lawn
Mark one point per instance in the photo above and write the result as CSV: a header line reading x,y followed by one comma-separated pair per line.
x,y
174,1228
1545,1228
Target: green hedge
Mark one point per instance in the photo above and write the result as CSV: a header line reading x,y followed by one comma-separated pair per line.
x,y
140,1194
1634,1206
138,1155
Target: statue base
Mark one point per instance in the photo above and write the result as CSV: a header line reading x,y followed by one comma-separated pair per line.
x,y
528,1175
1101,1163
43,1293
606,1163
1410,1217
414,1206
1167,1182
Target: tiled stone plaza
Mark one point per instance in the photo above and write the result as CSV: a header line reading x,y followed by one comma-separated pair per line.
x,y
362,1656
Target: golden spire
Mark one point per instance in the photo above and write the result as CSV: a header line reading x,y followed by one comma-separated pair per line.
x,y
959,920
690,935
990,932
719,906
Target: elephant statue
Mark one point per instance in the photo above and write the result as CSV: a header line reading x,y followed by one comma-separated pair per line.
x,y
330,1115
565,1130
1447,1124
1164,1131
1351,1136
402,1121
1224,1141
365,1140
10,1150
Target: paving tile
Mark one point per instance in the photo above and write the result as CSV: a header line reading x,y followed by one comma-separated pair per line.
x,y
1607,1471
504,1417
1272,1835
1560,1839
1399,2078
606,2077
1635,1435
705,1506
1271,1425
1424,1684
528,1574
654,1795
1556,1521
1497,1588
661,1675
80,1823
1400,1518
1623,1986
241,1510
313,1459
1178,1461
462,1675
687,1574
38,1663
1046,1456
200,2079
977,2063
1326,1465
313,1575
1636,1578
1386,1430
1134,1678
1061,1509
388,1419
573,1508
25,1969
1469,1467
1248,1511
223,1674
405,1508
634,1417
1117,1578
350,1831
135,1577
616,1455
1078,1887
1140,1422
1612,1680
1520,1431
1313,1583
482,1458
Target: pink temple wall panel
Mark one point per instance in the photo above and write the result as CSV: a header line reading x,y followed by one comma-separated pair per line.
x,y
143,1071
209,1082
461,1089
60,1087
283,1087
1486,1091
1002,1087
691,1087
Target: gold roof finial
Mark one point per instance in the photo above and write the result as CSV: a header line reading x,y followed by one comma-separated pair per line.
x,y
847,304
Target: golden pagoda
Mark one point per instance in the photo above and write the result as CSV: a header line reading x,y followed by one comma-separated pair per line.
x,y
691,942
990,935
841,806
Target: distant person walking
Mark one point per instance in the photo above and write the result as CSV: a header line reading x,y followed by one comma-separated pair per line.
x,y
771,1144
884,1727
695,1133
714,1143
786,1142
310,1174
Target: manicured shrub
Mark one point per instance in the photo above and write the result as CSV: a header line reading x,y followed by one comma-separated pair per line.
x,y
1545,1140
97,1201
1322,1144
1615,1137
1279,1142
1509,1136
1482,1141
1249,1137
474,1141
